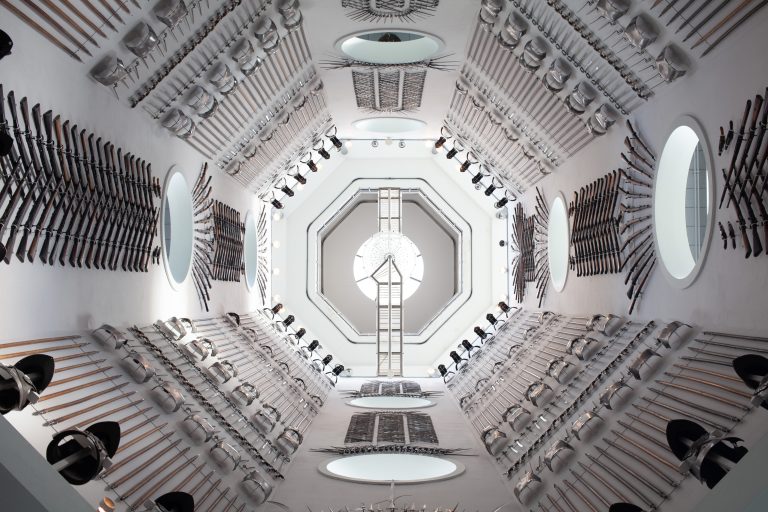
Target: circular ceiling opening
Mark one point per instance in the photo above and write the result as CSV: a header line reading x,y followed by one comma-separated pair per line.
x,y
557,243
391,402
385,468
389,125
250,250
682,199
374,253
389,46
177,228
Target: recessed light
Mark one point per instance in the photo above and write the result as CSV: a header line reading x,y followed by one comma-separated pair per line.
x,y
389,46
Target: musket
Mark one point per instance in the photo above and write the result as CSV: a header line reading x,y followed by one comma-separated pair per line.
x,y
81,400
632,253
141,467
36,181
41,351
93,161
138,225
99,243
750,136
39,29
642,286
14,157
120,207
634,152
737,147
79,167
127,228
636,277
27,170
135,456
57,162
640,140
732,234
78,196
742,223
90,408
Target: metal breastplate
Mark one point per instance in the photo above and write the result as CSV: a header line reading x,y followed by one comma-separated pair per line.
x,y
645,355
168,397
245,394
554,450
222,371
608,393
536,392
256,487
517,417
139,367
288,441
225,455
524,483
495,440
582,422
198,428
670,329
110,336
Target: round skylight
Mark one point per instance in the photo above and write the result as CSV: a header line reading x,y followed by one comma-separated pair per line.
x,y
389,125
389,46
375,251
385,468
391,402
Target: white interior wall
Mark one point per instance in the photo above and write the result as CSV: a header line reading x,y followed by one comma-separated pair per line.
x,y
729,292
44,300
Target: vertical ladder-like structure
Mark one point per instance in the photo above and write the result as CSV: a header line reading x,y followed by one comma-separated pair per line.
x,y
389,295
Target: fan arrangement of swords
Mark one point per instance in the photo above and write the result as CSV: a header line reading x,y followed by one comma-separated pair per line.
x,y
745,182
205,237
541,246
389,10
635,221
71,197
262,254
228,233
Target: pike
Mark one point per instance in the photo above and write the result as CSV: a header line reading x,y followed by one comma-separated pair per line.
x,y
676,410
38,341
733,27
642,434
84,18
171,474
141,467
642,286
622,480
49,396
74,356
591,489
136,455
62,369
161,470
641,460
84,399
142,424
607,485
41,351
81,411
696,406
729,389
72,23
704,394
579,494
110,412
56,25
86,198
143,436
39,29
633,473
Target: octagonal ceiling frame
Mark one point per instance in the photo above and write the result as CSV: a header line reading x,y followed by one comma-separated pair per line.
x,y
341,203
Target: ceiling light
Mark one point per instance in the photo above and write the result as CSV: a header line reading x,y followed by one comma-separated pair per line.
x,y
391,467
276,271
389,47
401,144
391,402
388,125
277,216
276,244
275,298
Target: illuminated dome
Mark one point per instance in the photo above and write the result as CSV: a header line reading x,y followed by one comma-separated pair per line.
x,y
374,252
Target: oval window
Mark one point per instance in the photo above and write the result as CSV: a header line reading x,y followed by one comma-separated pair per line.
x,y
557,243
386,468
250,250
682,202
177,229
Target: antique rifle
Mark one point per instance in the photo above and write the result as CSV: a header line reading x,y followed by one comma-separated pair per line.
x,y
742,223
749,138
60,169
736,148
